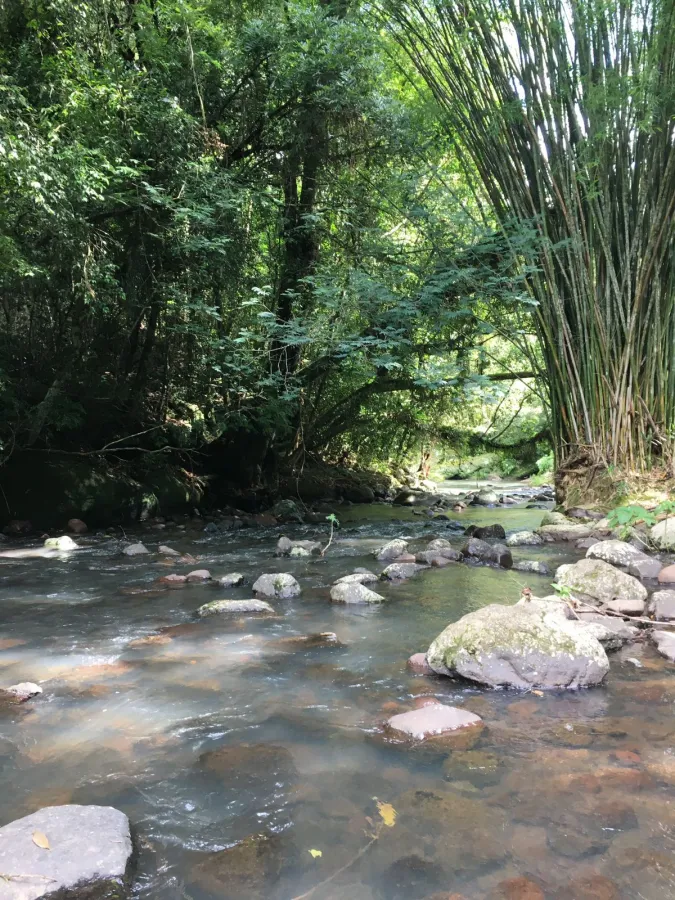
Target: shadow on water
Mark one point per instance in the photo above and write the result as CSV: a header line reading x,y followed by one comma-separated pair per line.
x,y
236,752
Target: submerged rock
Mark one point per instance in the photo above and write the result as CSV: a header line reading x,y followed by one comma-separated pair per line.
x,y
531,645
524,539
662,606
89,854
287,547
135,550
602,583
235,607
418,663
248,869
432,720
353,592
392,550
320,640
281,585
61,543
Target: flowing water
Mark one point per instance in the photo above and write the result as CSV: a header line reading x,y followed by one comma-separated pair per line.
x,y
235,752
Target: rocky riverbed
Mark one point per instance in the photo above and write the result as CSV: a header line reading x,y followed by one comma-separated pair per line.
x,y
270,750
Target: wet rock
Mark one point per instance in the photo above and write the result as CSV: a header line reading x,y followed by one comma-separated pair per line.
x,y
316,641
485,498
400,571
405,498
249,869
411,878
235,607
660,764
645,568
569,531
522,646
353,592
392,550
357,578
613,632
418,663
432,720
665,643
287,547
23,691
232,579
62,543
602,583
662,606
587,543
168,551
281,585
531,565
198,575
485,531
617,553
524,539
667,575
172,580
135,550
590,887
476,765
89,854
574,843
77,526
520,888
663,534
150,641
242,764
433,558
439,544
495,554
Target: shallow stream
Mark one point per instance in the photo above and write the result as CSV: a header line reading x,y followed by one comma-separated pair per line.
x,y
220,729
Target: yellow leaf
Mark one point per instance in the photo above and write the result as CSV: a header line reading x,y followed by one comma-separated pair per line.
x,y
387,813
538,693
41,840
315,853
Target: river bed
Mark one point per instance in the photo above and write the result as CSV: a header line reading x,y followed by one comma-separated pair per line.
x,y
217,730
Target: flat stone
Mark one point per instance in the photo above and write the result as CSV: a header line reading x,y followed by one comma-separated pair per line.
x,y
198,575
89,854
281,585
524,539
135,550
569,531
399,571
646,568
666,575
235,607
354,593
665,643
357,578
617,553
418,663
232,579
392,550
432,720
662,606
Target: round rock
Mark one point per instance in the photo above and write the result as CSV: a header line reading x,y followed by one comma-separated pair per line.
x,y
281,585
353,592
89,854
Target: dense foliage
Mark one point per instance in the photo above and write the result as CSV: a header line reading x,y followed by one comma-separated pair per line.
x,y
250,225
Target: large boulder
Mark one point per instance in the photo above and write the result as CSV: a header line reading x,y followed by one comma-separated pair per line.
x,y
530,645
524,539
616,553
663,534
598,582
392,550
78,852
352,592
662,606
281,585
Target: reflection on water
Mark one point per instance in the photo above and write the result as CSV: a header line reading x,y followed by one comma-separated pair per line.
x,y
236,752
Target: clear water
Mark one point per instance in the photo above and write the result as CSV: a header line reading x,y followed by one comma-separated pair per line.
x,y
559,788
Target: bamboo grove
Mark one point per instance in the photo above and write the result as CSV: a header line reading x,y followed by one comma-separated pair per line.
x,y
565,112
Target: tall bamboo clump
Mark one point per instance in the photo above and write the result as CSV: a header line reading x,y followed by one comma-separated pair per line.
x,y
566,110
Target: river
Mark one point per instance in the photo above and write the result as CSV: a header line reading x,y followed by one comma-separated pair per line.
x,y
220,729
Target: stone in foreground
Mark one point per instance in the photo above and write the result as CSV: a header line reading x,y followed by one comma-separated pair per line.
x,y
353,592
601,583
530,645
282,586
431,721
89,854
234,607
